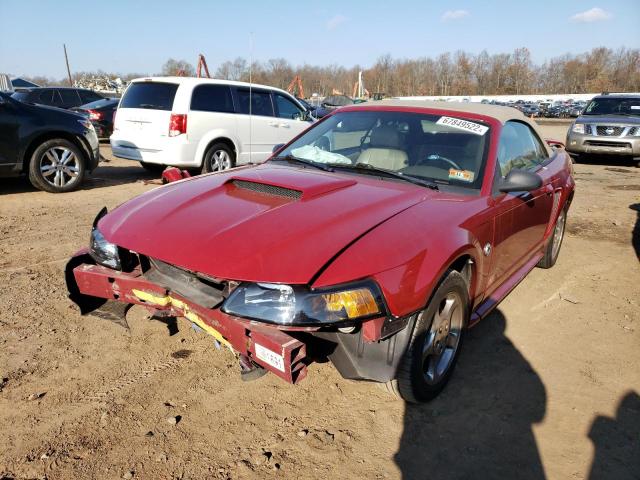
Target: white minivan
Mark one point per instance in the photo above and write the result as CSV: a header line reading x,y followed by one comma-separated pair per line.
x,y
203,123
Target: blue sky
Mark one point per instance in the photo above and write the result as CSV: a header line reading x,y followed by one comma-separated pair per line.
x,y
139,36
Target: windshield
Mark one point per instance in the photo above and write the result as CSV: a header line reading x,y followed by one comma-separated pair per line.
x,y
443,149
613,106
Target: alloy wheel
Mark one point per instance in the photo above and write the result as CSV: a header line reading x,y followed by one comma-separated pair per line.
x,y
220,160
443,338
59,166
558,233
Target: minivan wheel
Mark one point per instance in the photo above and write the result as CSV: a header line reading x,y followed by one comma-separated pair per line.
x,y
435,343
219,157
57,166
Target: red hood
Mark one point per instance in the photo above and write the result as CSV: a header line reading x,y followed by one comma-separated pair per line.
x,y
221,226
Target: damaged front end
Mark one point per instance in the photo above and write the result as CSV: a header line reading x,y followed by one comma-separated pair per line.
x,y
277,328
107,293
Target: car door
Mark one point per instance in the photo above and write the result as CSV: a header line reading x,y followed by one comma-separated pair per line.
x,y
256,123
521,218
291,117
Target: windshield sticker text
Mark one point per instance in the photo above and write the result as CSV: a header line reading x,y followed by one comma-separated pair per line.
x,y
463,125
464,175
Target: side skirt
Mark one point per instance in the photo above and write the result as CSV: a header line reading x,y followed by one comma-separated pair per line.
x,y
503,290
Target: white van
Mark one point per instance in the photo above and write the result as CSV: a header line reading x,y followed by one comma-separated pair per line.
x,y
203,123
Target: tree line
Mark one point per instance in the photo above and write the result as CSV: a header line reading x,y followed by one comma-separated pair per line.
x,y
457,73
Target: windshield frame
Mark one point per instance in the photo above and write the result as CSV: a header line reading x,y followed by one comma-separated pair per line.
x,y
479,185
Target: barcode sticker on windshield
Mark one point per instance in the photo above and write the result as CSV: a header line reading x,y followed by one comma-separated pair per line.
x,y
463,125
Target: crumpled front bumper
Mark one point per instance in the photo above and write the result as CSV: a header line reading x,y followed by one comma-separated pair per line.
x,y
91,286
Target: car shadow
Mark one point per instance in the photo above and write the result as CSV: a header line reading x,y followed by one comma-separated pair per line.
x,y
105,175
635,234
480,426
617,442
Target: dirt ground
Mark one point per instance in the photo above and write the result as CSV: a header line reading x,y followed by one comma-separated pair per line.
x,y
547,386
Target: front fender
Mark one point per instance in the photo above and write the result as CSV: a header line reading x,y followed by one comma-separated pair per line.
x,y
408,255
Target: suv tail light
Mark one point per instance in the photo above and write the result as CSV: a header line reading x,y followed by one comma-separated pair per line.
x,y
177,124
95,115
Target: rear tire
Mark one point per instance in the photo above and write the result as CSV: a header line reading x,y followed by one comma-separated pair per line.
x,y
57,166
552,251
153,167
435,343
219,157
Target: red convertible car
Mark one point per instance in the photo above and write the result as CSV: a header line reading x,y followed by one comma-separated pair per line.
x,y
373,239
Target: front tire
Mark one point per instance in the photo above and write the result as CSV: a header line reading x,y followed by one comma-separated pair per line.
x,y
435,343
555,242
219,157
57,166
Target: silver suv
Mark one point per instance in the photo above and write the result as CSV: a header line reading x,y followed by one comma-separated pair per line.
x,y
609,125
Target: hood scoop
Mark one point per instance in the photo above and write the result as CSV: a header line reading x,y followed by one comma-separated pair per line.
x,y
267,189
287,184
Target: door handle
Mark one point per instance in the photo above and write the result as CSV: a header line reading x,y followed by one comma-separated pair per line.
x,y
273,124
285,125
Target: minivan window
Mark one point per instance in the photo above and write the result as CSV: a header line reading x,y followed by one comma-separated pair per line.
x,y
260,102
212,98
286,108
150,95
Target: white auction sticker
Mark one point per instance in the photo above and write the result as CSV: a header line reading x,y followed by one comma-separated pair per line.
x,y
463,125
270,357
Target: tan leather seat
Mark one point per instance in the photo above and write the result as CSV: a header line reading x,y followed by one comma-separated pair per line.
x,y
385,149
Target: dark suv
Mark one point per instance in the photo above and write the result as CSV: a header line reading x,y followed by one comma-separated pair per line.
x,y
61,97
54,147
609,125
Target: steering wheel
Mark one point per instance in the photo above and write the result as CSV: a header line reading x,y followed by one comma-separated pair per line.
x,y
448,161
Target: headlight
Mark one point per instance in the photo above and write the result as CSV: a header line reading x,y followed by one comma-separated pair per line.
x,y
297,305
578,128
104,252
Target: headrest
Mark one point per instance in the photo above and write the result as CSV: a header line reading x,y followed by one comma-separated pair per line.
x,y
385,137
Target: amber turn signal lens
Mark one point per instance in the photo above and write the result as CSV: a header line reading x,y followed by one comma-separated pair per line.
x,y
356,303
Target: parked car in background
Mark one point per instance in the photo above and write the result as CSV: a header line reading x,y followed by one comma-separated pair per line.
x,y
203,123
61,97
332,102
100,113
609,125
384,231
530,110
575,110
55,148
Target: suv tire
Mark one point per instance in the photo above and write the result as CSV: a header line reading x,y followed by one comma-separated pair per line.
x,y
57,166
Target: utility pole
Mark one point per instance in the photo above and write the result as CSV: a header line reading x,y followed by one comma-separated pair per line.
x,y
66,59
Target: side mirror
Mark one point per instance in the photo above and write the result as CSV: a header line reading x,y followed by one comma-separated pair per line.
x,y
277,147
520,181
